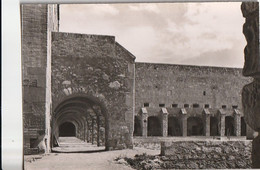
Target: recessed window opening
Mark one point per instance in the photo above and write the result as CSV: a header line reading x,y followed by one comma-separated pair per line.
x,y
224,106
174,105
146,104
196,105
234,106
161,105
204,93
186,105
206,106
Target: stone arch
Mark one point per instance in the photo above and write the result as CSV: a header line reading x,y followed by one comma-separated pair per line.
x,y
174,127
80,108
137,126
214,130
195,126
154,126
229,126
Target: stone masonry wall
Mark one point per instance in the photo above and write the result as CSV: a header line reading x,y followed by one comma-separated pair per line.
x,y
207,154
96,66
34,21
181,84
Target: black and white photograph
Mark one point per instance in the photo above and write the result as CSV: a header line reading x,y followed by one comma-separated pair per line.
x,y
172,85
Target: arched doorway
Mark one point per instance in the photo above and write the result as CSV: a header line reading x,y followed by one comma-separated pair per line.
x,y
154,126
229,126
137,127
174,127
80,119
67,129
195,126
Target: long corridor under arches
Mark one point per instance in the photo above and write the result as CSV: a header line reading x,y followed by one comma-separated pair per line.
x,y
79,124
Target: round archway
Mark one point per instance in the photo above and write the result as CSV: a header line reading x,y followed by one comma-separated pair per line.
x,y
81,117
67,129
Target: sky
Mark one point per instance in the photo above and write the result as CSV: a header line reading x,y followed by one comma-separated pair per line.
x,y
208,34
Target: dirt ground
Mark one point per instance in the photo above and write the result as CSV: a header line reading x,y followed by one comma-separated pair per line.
x,y
76,161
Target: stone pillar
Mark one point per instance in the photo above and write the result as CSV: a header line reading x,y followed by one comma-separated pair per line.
x,y
184,122
237,117
144,116
93,135
207,122
164,118
222,127
251,92
98,129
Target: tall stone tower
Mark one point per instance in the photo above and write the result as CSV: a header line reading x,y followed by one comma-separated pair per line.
x,y
37,21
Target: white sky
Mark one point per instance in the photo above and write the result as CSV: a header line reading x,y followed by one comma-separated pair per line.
x,y
176,33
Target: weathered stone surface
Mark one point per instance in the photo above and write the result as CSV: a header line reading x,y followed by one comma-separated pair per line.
x,y
197,155
93,65
181,84
250,11
251,104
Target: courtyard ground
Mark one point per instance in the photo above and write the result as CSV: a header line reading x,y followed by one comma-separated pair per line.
x,y
92,159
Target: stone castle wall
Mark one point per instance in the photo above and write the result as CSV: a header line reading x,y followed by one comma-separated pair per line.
x,y
96,66
35,48
180,84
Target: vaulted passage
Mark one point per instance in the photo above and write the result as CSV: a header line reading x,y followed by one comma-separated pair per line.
x,y
67,129
154,126
137,127
195,126
79,124
214,130
174,128
229,126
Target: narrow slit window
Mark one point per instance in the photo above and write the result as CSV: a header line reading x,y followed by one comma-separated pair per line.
x,y
206,106
161,105
174,105
234,106
196,105
186,105
146,104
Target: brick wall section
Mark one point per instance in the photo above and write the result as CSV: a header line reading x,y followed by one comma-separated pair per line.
x,y
180,84
92,63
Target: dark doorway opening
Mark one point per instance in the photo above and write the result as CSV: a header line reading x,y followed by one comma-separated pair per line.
x,y
67,129
229,126
243,127
137,127
195,126
174,128
154,126
214,131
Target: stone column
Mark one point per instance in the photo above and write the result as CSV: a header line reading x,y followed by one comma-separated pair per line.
x,y
164,118
98,128
184,122
144,116
237,117
222,123
251,92
93,135
207,122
